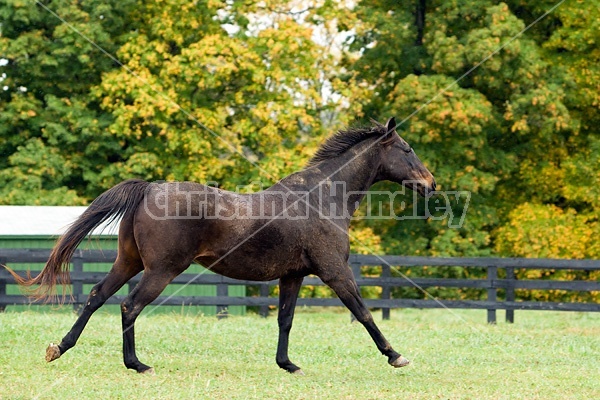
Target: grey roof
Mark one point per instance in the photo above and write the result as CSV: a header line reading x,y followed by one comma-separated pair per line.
x,y
43,221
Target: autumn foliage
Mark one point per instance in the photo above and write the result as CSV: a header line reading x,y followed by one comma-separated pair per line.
x,y
241,92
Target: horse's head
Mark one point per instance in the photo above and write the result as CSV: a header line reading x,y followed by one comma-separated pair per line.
x,y
400,164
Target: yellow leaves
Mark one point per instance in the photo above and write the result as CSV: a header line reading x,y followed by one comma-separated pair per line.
x,y
461,116
520,126
561,123
213,4
363,240
546,231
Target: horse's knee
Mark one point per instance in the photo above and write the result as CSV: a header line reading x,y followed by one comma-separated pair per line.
x,y
127,310
125,307
95,300
130,311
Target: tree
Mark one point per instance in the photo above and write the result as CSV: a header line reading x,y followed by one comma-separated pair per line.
x,y
238,92
504,129
191,100
52,133
517,130
200,102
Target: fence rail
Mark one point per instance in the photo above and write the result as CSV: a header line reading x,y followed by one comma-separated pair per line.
x,y
491,284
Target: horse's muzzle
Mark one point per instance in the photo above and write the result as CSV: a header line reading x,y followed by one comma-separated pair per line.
x,y
424,188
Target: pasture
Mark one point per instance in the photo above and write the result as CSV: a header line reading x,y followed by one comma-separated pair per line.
x,y
454,355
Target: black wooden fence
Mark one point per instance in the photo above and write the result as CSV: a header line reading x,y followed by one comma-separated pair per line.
x,y
491,284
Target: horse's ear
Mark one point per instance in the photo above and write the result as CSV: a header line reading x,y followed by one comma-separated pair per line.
x,y
390,129
390,125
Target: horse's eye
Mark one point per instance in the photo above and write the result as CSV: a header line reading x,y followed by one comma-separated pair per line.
x,y
405,147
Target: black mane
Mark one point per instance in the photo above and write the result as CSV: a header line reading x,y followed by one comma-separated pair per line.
x,y
344,140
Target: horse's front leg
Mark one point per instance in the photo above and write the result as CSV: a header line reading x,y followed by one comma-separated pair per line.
x,y
341,280
288,294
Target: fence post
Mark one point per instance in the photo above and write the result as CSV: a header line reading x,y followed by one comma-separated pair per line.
x,y
77,261
222,290
2,286
510,293
492,276
386,272
264,292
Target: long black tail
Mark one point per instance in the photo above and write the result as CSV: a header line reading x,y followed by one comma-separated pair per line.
x,y
119,201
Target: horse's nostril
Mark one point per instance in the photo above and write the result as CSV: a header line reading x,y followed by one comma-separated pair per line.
x,y
433,185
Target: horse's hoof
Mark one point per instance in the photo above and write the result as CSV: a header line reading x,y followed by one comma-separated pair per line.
x,y
298,372
52,352
400,362
149,371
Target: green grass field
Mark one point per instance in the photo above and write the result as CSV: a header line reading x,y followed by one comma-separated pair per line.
x,y
455,355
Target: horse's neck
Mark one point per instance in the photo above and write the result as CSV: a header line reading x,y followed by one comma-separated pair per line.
x,y
354,172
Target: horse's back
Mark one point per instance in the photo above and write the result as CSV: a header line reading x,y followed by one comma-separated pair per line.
x,y
222,230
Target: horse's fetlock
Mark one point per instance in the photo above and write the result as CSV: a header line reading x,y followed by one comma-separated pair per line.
x,y
282,362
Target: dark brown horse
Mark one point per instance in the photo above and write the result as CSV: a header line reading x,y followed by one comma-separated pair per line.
x,y
297,227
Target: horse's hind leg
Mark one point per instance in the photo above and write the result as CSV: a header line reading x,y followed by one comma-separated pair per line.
x,y
150,286
123,270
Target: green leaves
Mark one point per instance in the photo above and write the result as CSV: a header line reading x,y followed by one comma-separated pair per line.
x,y
48,118
512,131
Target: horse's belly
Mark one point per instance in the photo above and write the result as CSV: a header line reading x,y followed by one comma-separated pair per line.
x,y
255,251
249,268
